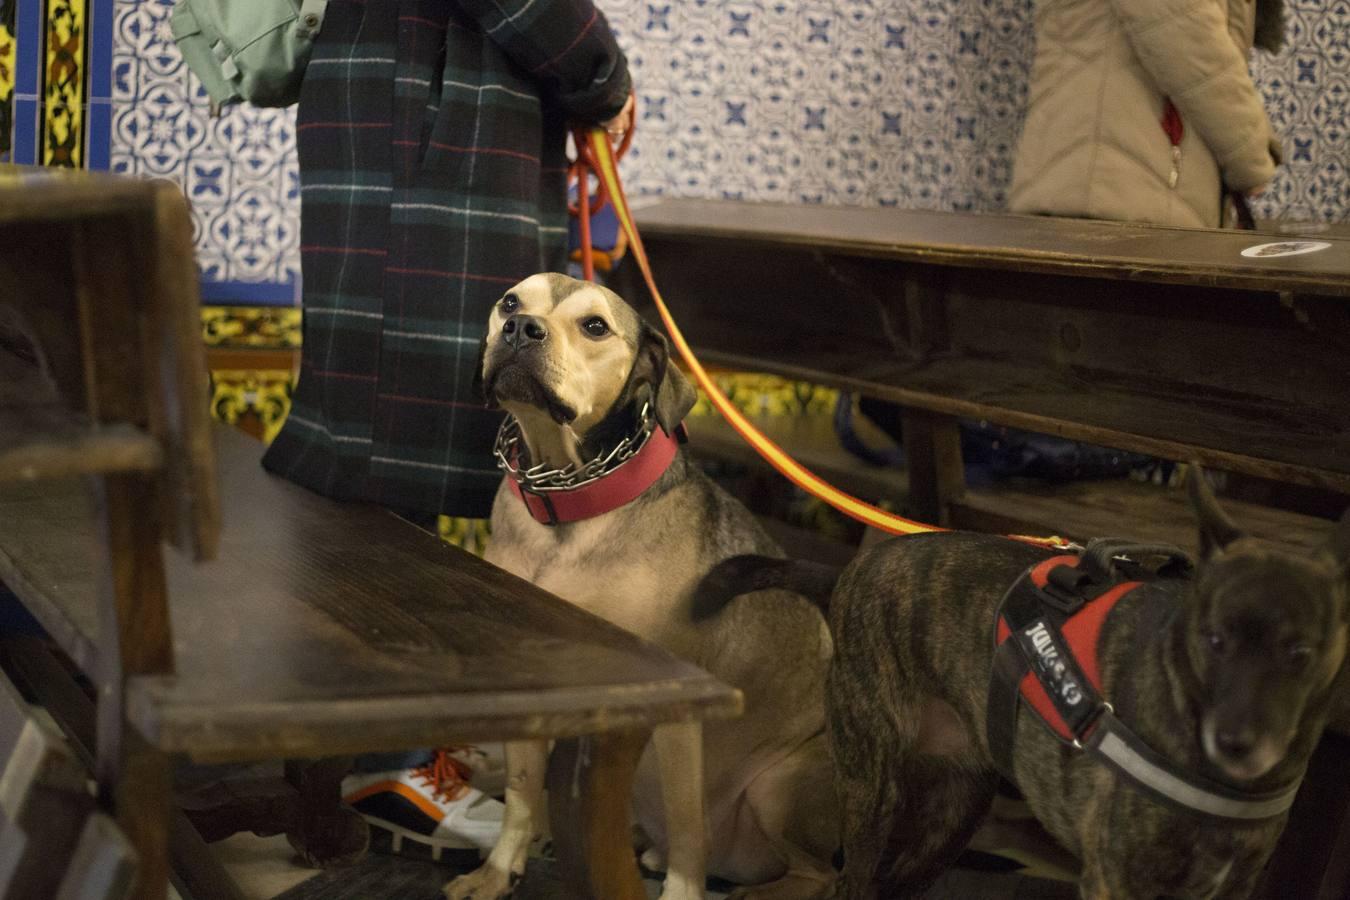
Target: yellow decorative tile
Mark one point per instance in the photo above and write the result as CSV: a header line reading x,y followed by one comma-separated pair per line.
x,y
255,327
63,109
256,401
756,394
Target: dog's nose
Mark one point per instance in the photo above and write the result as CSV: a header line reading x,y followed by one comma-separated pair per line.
x,y
1235,744
522,330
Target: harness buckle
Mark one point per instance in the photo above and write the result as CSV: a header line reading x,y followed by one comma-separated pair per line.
x,y
1103,708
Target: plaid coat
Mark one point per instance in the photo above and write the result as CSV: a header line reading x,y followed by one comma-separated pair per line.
x,y
431,141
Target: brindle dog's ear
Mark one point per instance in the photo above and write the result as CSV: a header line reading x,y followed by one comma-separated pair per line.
x,y
672,396
1339,545
479,387
1217,531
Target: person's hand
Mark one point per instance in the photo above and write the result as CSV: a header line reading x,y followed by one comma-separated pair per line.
x,y
1257,191
620,124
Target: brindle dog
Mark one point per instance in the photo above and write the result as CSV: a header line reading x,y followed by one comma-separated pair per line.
x,y
1235,687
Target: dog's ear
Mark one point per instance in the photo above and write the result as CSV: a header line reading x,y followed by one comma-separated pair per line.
x,y
479,387
1217,531
1339,544
672,396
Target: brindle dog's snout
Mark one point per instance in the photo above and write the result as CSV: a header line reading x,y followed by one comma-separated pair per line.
x,y
1236,742
520,331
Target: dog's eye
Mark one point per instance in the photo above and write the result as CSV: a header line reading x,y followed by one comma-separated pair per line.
x,y
596,326
1215,641
510,303
1299,655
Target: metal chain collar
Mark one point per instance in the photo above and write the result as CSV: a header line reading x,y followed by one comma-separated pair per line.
x,y
510,447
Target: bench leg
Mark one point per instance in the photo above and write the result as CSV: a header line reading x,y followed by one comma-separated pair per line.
x,y
590,790
141,799
933,457
328,835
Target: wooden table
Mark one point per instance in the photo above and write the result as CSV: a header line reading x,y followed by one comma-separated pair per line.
x,y
323,629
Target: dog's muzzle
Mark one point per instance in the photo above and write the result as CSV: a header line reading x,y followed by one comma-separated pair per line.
x,y
521,331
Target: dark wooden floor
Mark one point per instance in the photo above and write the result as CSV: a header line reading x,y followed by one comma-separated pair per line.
x,y
413,876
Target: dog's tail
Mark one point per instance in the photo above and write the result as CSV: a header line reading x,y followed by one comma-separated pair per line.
x,y
738,575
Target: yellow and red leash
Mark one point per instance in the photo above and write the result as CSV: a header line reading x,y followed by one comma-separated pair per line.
x,y
596,155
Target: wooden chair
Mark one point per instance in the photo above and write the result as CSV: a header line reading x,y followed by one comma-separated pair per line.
x,y
304,629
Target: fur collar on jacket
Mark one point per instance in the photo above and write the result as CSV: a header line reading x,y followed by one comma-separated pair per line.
x,y
1270,25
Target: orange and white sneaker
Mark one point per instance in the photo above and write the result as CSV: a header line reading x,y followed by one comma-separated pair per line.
x,y
432,804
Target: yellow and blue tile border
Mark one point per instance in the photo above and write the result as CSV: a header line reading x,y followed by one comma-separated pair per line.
x,y
56,82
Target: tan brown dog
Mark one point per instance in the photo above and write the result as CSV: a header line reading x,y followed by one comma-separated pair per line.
x,y
576,367
1229,673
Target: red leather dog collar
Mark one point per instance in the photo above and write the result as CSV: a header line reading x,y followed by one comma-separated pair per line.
x,y
620,486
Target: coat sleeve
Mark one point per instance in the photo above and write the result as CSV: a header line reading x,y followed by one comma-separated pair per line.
x,y
1186,49
566,45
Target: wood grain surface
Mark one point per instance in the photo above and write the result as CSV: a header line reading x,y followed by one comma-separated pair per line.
x,y
325,628
1132,252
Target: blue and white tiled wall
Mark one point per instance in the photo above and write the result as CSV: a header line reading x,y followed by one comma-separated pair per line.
x,y
912,103
239,170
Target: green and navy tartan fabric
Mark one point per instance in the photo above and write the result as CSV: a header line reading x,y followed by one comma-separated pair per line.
x,y
431,138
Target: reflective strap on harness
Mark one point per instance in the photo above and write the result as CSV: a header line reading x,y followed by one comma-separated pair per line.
x,y
1125,752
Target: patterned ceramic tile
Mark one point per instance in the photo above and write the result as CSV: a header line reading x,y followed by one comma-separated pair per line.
x,y
64,98
915,103
238,171
7,62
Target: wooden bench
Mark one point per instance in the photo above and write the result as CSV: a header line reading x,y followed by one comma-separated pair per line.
x,y
304,628
1156,340
1078,510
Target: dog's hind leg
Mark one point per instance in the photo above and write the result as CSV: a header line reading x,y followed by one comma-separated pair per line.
x,y
795,807
940,804
526,762
912,797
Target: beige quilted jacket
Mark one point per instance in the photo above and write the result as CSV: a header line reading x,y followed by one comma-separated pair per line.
x,y
1093,144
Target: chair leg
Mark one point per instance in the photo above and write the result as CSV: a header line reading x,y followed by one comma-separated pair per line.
x,y
590,789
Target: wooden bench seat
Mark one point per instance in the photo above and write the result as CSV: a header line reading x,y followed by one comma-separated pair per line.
x,y
322,629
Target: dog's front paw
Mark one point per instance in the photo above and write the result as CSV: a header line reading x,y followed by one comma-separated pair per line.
x,y
677,888
487,882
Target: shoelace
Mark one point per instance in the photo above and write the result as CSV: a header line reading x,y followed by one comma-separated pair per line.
x,y
447,776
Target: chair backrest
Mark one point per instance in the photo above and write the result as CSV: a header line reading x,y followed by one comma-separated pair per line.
x,y
102,369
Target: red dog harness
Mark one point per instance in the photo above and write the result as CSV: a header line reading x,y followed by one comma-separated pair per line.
x,y
1046,635
1081,630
